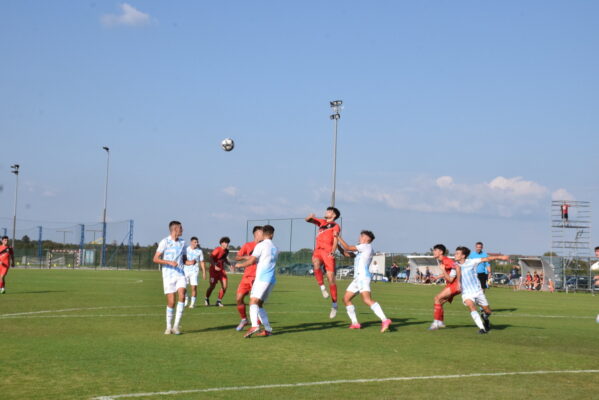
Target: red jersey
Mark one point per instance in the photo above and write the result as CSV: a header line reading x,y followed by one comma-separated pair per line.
x,y
448,264
219,255
326,234
247,250
5,255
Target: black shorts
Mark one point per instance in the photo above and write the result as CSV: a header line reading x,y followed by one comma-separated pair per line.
x,y
483,280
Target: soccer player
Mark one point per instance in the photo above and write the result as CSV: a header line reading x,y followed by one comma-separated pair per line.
x,y
472,292
361,284
249,275
451,274
170,255
265,256
193,256
7,260
217,271
483,270
324,252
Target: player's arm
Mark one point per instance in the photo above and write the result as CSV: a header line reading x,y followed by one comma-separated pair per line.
x,y
248,261
335,243
159,260
203,266
492,258
12,257
346,247
310,218
458,276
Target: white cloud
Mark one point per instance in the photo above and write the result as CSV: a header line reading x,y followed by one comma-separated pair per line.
x,y
129,16
231,191
562,194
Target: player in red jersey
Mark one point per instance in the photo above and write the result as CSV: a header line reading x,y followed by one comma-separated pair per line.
x,y
249,275
217,271
324,252
451,273
7,260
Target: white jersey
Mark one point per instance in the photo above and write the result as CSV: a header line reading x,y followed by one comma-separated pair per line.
x,y
196,255
172,250
266,254
470,283
362,261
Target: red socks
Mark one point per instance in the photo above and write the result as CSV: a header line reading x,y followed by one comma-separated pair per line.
x,y
333,289
438,314
241,309
221,294
318,276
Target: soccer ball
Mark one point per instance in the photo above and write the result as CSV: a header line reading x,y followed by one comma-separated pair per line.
x,y
227,144
595,267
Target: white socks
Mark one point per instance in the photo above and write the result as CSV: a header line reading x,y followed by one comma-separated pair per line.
x,y
477,319
254,315
193,301
351,311
323,287
376,308
180,308
169,317
264,319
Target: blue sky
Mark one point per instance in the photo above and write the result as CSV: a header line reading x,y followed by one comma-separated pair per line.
x,y
461,120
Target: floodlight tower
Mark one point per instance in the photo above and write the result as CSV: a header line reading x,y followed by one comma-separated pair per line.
x,y
336,106
15,170
103,253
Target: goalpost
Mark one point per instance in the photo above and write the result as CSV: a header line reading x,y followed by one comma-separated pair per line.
x,y
63,258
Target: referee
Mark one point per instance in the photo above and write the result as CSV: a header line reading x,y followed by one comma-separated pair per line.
x,y
483,270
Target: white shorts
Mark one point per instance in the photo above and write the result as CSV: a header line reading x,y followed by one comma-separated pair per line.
x,y
261,290
191,277
477,297
359,285
173,282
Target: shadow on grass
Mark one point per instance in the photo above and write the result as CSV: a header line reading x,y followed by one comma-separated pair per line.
x,y
504,310
40,291
309,326
212,329
397,323
494,327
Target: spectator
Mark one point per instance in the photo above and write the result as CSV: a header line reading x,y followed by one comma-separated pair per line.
x,y
427,276
528,281
514,277
551,286
394,272
407,273
536,281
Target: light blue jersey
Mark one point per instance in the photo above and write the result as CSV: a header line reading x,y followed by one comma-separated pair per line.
x,y
470,283
362,261
196,255
172,250
266,254
482,267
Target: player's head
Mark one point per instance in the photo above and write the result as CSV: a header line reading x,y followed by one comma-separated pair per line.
x,y
224,242
194,242
439,250
268,231
258,233
4,240
366,236
332,212
479,247
462,252
596,250
175,228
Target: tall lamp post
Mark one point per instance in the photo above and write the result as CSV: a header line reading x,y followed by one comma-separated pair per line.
x,y
15,170
336,106
103,253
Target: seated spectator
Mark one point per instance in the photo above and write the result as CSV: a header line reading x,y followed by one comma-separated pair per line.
x,y
528,281
536,281
551,286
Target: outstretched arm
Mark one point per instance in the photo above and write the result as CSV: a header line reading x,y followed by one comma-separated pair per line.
x,y
492,258
344,244
248,261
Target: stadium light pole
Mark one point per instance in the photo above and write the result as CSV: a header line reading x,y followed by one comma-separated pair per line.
x,y
336,106
15,170
103,253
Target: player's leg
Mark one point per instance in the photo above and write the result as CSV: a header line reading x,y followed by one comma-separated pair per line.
x,y
193,282
224,282
180,305
486,311
259,292
317,262
438,315
187,282
211,287
170,311
3,272
375,307
262,315
242,290
329,266
474,314
351,292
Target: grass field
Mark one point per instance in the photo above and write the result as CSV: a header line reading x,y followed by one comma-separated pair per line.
x,y
87,334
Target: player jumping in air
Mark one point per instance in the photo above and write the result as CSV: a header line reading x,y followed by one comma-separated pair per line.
x,y
265,256
217,271
472,292
324,252
361,284
193,256
7,260
451,274
249,275
170,254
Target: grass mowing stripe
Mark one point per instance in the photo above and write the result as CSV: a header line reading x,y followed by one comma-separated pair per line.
x,y
340,381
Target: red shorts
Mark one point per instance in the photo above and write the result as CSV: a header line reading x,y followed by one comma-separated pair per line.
x,y
453,286
245,286
3,270
326,258
216,276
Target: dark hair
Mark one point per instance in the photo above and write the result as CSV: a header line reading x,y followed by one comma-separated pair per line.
x,y
335,210
369,234
5,237
481,243
440,247
193,238
268,230
465,250
596,248
173,223
225,239
256,228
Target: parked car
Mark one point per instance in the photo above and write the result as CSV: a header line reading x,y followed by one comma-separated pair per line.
x,y
577,282
345,272
500,278
402,275
297,269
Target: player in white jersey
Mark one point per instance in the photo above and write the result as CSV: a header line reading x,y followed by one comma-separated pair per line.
x,y
194,259
170,255
361,284
472,292
265,256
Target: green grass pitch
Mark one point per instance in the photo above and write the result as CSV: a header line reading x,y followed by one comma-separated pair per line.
x,y
86,334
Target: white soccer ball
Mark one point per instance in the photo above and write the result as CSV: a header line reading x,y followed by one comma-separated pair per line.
x,y
595,267
227,144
